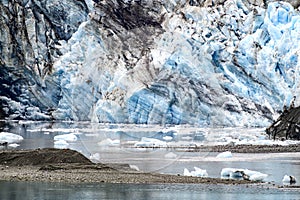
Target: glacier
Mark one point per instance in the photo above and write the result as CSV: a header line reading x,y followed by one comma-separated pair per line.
x,y
207,63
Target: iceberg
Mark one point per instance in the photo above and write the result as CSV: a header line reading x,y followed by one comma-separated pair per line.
x,y
10,138
61,144
226,154
150,142
109,142
66,137
197,172
289,179
246,174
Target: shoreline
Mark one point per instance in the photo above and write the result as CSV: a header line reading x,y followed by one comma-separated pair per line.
x,y
248,148
106,175
69,166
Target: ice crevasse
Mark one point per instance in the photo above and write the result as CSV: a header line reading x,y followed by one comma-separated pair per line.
x,y
225,64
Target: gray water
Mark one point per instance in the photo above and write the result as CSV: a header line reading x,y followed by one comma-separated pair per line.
x,y
52,191
90,142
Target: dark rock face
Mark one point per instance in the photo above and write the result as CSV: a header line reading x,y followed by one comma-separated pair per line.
x,y
131,14
287,126
29,37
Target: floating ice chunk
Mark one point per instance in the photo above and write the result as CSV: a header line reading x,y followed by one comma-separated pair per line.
x,y
226,171
288,179
66,137
150,142
168,138
237,174
109,142
10,137
134,167
226,154
61,144
186,172
243,173
258,177
198,172
95,156
13,145
171,155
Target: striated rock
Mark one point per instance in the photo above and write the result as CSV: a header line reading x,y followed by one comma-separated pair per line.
x,y
211,63
287,126
31,33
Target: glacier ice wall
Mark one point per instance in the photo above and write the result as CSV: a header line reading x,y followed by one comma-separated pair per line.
x,y
210,63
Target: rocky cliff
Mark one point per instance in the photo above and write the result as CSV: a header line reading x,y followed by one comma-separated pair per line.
x,y
211,63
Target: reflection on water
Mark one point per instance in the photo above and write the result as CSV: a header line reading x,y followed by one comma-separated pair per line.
x,y
116,143
51,191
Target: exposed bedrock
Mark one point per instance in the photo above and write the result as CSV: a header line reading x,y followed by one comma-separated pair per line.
x,y
30,36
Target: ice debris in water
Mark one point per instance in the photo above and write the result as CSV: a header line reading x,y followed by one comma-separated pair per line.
x,y
134,167
66,137
150,142
10,137
61,144
13,145
288,179
246,174
109,142
167,138
198,172
226,154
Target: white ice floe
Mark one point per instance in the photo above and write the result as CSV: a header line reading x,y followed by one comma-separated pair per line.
x,y
66,137
245,138
61,144
134,167
168,138
288,179
109,142
13,145
150,142
10,137
243,173
171,155
226,154
198,172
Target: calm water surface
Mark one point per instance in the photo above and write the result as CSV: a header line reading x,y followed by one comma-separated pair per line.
x,y
115,143
52,191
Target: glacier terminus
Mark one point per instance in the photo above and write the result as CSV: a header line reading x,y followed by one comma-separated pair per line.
x,y
210,63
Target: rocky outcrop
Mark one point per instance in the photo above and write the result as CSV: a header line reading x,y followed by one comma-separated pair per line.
x,y
42,157
287,126
31,33
212,63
